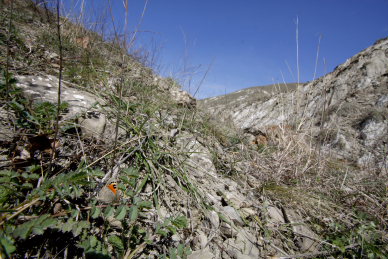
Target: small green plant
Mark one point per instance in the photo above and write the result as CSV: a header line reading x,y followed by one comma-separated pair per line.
x,y
49,39
38,117
43,115
181,251
364,240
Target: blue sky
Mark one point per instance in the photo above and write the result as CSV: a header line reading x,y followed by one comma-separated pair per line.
x,y
239,44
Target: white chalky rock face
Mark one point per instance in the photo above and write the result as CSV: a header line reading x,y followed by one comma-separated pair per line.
x,y
372,131
45,89
83,106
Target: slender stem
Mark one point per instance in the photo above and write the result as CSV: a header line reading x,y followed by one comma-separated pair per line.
x,y
59,85
20,210
47,11
297,67
8,52
317,57
297,49
132,41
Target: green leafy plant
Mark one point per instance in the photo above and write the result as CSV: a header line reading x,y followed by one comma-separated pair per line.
x,y
14,186
365,240
181,251
44,115
171,225
39,117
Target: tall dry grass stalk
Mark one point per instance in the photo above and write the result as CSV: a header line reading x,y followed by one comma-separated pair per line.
x,y
297,65
317,57
59,38
7,66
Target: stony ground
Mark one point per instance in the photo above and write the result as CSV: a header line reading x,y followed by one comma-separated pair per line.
x,y
135,170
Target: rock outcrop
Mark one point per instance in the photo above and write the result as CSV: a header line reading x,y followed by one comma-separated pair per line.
x,y
90,111
345,111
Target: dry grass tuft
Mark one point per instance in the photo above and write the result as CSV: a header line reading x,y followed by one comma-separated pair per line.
x,y
327,190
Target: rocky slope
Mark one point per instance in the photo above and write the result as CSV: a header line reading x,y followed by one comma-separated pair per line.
x,y
346,110
135,170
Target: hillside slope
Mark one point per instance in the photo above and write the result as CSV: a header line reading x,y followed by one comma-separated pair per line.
x,y
246,96
346,110
126,166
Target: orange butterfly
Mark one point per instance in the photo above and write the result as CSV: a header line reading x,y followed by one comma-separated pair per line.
x,y
109,193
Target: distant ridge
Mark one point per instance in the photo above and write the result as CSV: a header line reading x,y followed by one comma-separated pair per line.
x,y
250,94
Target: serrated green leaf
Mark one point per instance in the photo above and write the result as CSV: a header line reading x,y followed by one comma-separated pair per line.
x,y
76,193
143,182
99,246
37,226
136,200
37,230
129,193
5,179
7,245
134,211
172,253
172,229
185,252
97,172
131,172
96,211
180,249
84,224
121,213
121,186
48,223
23,231
31,169
124,179
34,176
27,186
76,230
92,241
68,226
108,211
162,232
180,222
74,213
85,244
145,204
5,193
141,231
5,173
79,226
17,106
116,242
132,182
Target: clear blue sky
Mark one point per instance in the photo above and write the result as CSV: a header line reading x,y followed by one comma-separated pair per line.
x,y
247,43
